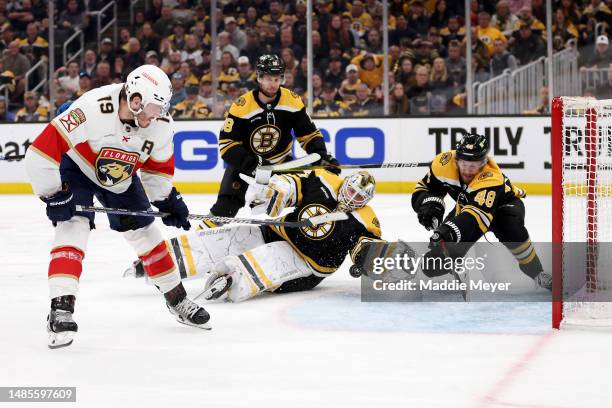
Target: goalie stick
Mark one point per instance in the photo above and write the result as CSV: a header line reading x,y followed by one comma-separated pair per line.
x,y
12,158
308,222
263,173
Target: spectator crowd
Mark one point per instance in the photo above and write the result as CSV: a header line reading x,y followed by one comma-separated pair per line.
x,y
427,48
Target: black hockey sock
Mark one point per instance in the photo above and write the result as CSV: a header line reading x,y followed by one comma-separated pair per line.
x,y
176,295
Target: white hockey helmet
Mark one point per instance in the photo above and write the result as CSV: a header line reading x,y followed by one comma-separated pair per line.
x,y
356,191
154,88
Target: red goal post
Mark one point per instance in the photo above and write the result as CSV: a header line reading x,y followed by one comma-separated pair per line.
x,y
581,148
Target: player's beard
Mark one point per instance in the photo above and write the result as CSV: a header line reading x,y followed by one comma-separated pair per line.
x,y
269,95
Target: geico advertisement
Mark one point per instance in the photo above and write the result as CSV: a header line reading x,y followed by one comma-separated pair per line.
x,y
521,145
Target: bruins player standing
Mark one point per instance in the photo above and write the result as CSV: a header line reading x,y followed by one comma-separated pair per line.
x,y
257,131
277,259
485,199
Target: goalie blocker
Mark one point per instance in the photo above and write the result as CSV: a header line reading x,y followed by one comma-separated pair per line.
x,y
486,200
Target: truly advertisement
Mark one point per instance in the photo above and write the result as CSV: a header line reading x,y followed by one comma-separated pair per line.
x,y
521,145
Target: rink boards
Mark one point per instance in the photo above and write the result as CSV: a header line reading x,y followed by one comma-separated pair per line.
x,y
521,145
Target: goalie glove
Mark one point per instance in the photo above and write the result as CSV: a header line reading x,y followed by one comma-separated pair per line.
x,y
273,198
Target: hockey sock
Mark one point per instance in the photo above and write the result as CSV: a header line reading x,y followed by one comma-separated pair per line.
x,y
527,258
158,264
65,270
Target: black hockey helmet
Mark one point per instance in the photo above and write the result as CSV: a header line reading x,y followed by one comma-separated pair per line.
x,y
270,64
472,147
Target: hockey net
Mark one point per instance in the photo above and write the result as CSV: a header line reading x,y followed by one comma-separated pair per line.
x,y
582,212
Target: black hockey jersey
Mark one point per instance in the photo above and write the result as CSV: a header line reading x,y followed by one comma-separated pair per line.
x,y
475,203
325,246
254,127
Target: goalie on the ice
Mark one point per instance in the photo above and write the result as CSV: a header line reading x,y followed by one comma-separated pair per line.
x,y
485,199
258,259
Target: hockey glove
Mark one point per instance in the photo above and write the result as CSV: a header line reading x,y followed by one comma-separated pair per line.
x,y
271,199
177,209
60,206
431,212
249,164
329,162
442,236
444,233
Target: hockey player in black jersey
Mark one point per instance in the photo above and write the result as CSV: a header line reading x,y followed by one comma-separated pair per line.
x,y
485,199
257,131
278,259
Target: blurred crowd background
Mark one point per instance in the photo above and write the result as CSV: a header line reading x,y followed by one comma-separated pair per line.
x,y
426,54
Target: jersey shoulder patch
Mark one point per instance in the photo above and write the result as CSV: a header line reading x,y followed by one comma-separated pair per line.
x,y
289,101
444,167
245,106
490,176
89,112
368,219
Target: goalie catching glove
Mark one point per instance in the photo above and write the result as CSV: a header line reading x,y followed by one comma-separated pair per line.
x,y
272,198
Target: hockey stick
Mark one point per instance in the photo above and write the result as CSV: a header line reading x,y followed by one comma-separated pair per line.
x,y
12,158
357,166
308,222
263,173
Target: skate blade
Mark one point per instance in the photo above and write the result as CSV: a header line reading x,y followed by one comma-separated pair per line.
x,y
59,340
205,326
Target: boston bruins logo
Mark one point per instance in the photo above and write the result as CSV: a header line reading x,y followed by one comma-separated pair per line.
x,y
114,166
320,231
265,138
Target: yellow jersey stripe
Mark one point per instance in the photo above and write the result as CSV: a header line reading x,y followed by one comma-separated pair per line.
x,y
226,148
481,225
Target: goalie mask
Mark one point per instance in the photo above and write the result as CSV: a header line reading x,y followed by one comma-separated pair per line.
x,y
356,191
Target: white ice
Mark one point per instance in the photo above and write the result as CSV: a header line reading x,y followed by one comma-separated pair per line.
x,y
322,348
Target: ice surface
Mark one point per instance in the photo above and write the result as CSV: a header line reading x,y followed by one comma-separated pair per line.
x,y
322,348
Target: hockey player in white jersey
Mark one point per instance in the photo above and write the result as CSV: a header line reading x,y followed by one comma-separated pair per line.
x,y
249,260
95,148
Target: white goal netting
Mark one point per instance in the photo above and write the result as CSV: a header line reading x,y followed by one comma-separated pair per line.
x,y
586,207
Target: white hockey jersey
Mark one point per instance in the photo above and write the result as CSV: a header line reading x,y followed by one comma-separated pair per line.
x,y
108,151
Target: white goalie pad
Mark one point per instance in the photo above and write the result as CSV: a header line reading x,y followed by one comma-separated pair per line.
x,y
196,253
262,269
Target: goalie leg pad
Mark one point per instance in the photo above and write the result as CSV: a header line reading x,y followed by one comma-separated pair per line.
x,y
196,253
264,268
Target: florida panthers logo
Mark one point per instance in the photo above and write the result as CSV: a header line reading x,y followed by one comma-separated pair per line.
x,y
114,166
320,231
265,138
